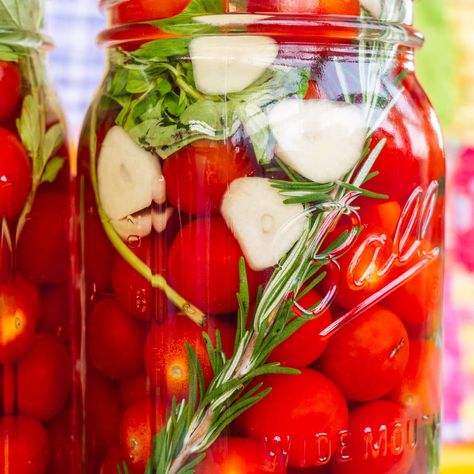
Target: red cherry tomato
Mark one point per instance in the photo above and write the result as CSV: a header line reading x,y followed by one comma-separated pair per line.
x,y
305,345
418,391
400,164
319,7
10,88
139,424
375,347
166,358
198,176
299,411
135,388
115,340
132,11
311,470
7,389
238,455
20,308
204,266
313,91
363,266
66,444
382,216
25,446
44,252
15,172
418,301
98,255
379,442
110,462
103,415
135,292
56,311
44,377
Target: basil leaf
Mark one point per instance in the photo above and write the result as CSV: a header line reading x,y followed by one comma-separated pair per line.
x,y
52,169
255,123
183,23
8,54
29,128
53,139
20,14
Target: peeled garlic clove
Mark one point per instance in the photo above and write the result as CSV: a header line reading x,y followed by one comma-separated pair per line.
x,y
227,64
320,139
126,174
374,7
160,219
265,227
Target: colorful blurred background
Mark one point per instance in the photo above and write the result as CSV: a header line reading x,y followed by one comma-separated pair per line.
x,y
446,67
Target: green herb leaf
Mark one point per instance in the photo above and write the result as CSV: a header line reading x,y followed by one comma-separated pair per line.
x,y
18,14
29,128
8,53
52,169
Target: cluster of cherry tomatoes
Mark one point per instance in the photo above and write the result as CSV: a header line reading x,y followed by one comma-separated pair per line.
x,y
378,370
36,372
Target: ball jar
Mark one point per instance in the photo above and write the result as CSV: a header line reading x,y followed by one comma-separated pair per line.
x,y
263,195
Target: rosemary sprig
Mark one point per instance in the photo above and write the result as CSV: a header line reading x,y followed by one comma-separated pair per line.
x,y
195,424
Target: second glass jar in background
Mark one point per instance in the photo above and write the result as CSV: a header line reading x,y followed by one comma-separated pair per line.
x,y
263,222
40,376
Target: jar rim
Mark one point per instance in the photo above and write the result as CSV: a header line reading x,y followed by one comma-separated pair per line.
x,y
313,29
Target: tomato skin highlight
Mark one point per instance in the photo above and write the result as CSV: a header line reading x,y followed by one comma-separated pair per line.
x,y
237,455
115,340
44,378
166,358
131,11
139,424
15,174
305,345
375,416
134,291
10,88
25,448
375,347
202,253
300,407
20,303
46,260
198,175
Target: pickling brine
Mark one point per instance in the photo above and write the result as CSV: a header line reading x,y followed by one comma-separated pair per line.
x,y
262,188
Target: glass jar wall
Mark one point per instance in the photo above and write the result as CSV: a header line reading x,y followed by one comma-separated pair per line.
x,y
263,231
39,374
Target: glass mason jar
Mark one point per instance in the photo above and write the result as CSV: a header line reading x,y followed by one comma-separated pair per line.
x,y
263,214
39,377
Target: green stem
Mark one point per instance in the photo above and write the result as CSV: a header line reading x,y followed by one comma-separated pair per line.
x,y
156,280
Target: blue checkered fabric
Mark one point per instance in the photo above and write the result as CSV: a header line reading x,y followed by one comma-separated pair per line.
x,y
76,65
